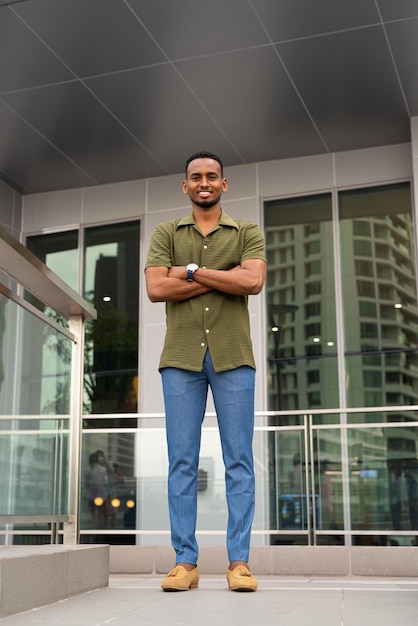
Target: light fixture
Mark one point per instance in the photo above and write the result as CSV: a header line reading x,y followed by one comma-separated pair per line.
x,y
316,339
106,298
398,305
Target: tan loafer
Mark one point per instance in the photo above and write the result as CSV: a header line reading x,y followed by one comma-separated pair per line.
x,y
179,579
241,579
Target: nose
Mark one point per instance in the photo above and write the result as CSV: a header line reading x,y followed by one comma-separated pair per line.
x,y
204,182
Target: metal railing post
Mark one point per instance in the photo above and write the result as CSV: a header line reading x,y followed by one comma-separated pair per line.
x,y
72,531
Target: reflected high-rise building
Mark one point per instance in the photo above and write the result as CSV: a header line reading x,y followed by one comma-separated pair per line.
x,y
351,259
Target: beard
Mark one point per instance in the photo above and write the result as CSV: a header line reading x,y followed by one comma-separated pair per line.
x,y
206,203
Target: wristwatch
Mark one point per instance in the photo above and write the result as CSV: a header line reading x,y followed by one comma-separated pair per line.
x,y
191,268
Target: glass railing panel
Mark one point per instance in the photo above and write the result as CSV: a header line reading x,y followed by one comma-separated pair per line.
x,y
35,377
379,465
384,478
35,369
281,455
124,486
334,488
34,479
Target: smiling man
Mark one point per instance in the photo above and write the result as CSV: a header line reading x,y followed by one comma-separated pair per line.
x,y
204,266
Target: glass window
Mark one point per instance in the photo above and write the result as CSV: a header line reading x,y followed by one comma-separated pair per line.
x,y
314,267
367,309
372,378
362,248
110,271
313,309
312,289
361,227
59,251
363,268
391,293
312,377
309,219
111,283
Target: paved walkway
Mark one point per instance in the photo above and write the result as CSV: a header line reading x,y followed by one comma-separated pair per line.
x,y
138,600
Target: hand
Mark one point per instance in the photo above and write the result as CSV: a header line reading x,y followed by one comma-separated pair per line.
x,y
178,271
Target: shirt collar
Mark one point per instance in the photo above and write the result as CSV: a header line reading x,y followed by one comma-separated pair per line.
x,y
225,220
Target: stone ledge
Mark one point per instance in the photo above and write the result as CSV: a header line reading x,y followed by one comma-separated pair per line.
x,y
34,576
277,560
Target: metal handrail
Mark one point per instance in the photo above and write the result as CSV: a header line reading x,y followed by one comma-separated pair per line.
x,y
24,267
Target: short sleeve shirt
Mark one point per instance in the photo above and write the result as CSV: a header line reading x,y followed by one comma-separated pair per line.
x,y
214,320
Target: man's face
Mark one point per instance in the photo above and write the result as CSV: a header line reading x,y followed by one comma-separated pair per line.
x,y
204,183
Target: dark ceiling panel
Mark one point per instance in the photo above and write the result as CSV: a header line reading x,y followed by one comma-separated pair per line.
x,y
349,85
78,125
398,9
91,36
254,102
403,38
160,112
198,27
173,77
24,60
292,19
29,163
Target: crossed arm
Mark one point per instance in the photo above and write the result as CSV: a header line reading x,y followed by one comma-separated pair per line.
x,y
171,284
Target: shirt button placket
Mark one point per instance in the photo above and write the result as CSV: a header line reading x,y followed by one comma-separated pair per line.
x,y
206,309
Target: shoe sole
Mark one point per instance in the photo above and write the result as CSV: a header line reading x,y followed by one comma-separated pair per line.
x,y
194,586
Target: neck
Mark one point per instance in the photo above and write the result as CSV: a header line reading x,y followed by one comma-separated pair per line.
x,y
207,214
206,219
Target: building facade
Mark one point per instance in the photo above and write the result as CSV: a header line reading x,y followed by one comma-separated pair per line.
x,y
335,341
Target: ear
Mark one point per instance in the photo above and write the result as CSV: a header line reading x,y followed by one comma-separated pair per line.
x,y
184,185
224,185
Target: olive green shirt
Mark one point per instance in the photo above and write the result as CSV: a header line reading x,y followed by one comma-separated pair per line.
x,y
214,320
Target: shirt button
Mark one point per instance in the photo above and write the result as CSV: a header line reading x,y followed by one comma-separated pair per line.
x,y
202,344
207,330
204,267
205,247
206,308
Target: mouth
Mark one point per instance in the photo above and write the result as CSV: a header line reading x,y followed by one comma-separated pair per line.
x,y
204,194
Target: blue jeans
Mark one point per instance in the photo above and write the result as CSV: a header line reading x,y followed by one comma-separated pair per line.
x,y
185,395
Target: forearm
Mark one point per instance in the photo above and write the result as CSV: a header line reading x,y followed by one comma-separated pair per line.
x,y
172,285
171,289
239,281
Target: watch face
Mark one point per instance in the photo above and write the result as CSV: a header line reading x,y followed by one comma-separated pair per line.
x,y
192,267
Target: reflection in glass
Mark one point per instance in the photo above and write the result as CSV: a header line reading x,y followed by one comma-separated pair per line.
x,y
383,480
112,285
289,500
36,370
301,337
109,484
59,251
328,479
383,483
379,296
35,384
110,269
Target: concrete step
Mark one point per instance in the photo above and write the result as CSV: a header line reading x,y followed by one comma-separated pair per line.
x,y
33,576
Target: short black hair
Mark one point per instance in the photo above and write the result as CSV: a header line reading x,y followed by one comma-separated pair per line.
x,y
204,154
